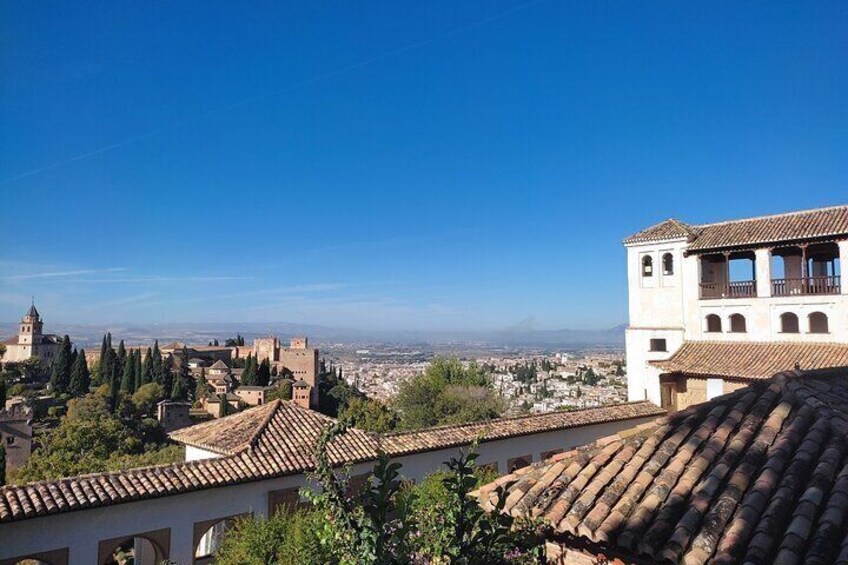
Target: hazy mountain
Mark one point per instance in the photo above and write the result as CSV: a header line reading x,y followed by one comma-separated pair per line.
x,y
88,336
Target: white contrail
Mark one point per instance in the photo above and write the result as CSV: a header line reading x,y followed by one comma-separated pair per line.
x,y
274,93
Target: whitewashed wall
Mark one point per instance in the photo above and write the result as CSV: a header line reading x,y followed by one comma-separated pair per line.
x,y
81,531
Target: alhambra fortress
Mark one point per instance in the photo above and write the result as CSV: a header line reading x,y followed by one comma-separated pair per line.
x,y
733,447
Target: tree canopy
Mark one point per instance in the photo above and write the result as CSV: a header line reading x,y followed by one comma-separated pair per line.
x,y
448,392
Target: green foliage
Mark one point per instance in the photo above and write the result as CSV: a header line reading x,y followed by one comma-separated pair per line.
x,y
248,376
128,378
368,528
369,415
80,377
447,393
91,437
147,368
61,370
263,373
235,342
288,538
283,391
4,388
438,522
2,464
146,397
202,389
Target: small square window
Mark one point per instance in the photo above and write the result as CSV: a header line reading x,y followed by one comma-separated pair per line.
x,y
658,345
10,440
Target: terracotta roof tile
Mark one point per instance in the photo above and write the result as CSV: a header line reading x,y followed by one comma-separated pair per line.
x,y
752,360
792,226
270,441
756,476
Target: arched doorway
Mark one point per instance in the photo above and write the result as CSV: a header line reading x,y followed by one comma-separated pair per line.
x,y
149,548
208,536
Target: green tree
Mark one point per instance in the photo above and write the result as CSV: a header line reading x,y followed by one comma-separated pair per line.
x,y
61,373
89,436
80,377
369,415
147,396
128,374
287,538
147,368
179,390
4,390
202,389
248,376
447,393
283,391
2,464
137,368
263,373
158,369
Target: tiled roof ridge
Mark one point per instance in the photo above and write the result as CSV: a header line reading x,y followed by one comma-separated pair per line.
x,y
483,423
771,216
271,407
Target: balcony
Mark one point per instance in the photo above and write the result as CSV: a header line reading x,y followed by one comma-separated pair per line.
x,y
733,289
809,285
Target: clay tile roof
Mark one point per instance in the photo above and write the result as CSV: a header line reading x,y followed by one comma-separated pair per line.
x,y
756,476
669,229
791,226
219,365
403,443
752,360
807,224
265,442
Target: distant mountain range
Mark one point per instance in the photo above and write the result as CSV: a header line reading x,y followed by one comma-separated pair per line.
x,y
88,336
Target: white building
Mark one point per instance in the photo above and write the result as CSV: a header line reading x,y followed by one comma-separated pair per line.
x,y
31,341
255,462
714,306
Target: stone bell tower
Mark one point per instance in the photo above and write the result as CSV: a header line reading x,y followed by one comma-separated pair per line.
x,y
31,327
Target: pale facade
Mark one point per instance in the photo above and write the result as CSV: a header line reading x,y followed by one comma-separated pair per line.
x,y
767,280
31,341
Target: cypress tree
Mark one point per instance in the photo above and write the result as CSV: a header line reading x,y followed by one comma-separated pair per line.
x,y
114,386
263,374
139,376
202,389
103,349
147,368
248,376
4,390
158,366
167,375
120,360
80,377
2,464
61,376
178,391
128,374
184,374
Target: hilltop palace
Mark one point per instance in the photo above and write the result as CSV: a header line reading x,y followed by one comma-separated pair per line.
x,y
716,306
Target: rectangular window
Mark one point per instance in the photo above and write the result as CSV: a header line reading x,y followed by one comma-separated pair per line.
x,y
658,345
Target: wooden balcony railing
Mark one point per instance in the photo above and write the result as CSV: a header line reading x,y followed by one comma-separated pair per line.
x,y
810,285
735,289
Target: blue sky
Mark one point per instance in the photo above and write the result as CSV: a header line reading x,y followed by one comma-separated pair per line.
x,y
409,165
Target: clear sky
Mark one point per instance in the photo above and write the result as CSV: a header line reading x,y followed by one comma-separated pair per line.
x,y
409,165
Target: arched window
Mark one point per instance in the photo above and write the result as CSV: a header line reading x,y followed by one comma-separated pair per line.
x,y
713,323
788,323
668,264
737,324
818,323
647,266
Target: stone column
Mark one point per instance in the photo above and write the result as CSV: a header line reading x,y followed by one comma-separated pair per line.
x,y
843,262
762,270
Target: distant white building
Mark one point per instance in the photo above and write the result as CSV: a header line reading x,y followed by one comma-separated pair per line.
x,y
31,341
716,305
